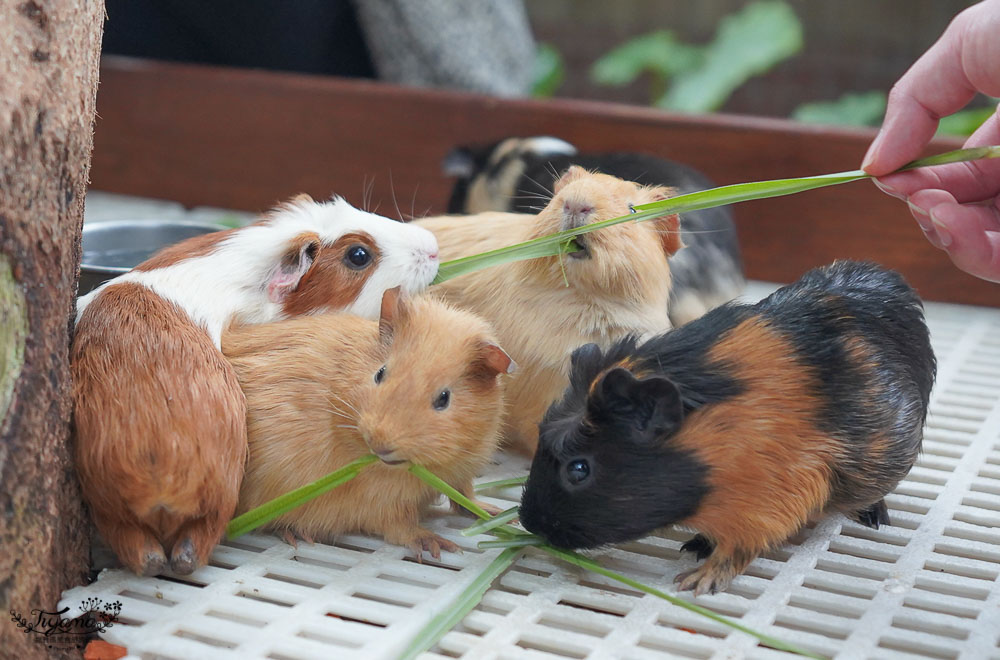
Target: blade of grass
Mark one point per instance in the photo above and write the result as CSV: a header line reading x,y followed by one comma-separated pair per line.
x,y
442,486
270,510
590,565
512,542
495,521
501,483
463,604
561,242
516,539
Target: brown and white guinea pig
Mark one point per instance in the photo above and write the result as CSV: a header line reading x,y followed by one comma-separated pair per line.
x,y
744,424
421,385
517,175
160,419
542,309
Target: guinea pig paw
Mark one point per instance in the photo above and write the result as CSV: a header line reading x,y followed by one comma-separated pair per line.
x,y
433,544
704,579
292,538
699,545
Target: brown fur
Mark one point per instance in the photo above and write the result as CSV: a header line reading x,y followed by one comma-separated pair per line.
x,y
314,407
178,481
770,465
330,284
196,246
621,289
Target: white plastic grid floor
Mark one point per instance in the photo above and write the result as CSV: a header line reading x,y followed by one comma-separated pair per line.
x,y
925,587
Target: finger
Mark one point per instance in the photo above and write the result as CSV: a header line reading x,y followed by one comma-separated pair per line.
x,y
972,181
934,87
971,236
940,82
920,205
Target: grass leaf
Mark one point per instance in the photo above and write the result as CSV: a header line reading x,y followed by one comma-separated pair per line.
x,y
268,511
442,486
501,483
590,565
512,542
462,605
561,242
495,521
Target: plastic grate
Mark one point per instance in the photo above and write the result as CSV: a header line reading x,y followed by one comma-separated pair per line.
x,y
925,587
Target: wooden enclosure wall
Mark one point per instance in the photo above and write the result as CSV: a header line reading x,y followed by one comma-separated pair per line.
x,y
246,139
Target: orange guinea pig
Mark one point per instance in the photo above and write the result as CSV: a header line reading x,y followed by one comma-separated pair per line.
x,y
616,286
421,385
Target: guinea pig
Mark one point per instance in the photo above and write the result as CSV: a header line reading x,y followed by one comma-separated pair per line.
x,y
159,416
616,285
421,385
517,175
744,424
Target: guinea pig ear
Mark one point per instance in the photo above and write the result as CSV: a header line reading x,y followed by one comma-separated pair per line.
x,y
459,163
492,360
572,174
669,226
296,261
393,311
652,405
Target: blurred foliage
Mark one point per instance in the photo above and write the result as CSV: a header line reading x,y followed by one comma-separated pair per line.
x,y
867,109
692,78
965,122
549,71
851,109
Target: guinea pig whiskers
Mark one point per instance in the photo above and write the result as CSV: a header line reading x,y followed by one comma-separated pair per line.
x,y
549,191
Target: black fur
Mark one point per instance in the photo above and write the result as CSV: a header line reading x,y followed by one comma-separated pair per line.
x,y
699,545
638,484
852,301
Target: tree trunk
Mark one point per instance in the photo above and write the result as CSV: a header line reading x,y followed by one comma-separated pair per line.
x,y
49,54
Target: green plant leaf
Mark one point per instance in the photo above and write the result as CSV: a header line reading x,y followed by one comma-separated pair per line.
x,y
658,52
462,605
561,242
268,511
495,521
512,542
590,565
501,483
964,122
747,43
854,109
548,71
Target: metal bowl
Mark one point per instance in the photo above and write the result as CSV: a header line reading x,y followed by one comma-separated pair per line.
x,y
113,248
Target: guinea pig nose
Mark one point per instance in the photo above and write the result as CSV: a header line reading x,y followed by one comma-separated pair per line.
x,y
389,457
574,207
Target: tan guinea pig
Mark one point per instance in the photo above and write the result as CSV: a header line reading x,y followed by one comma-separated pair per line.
x,y
618,285
420,385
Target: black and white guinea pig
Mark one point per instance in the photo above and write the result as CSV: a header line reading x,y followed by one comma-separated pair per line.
x,y
517,175
744,424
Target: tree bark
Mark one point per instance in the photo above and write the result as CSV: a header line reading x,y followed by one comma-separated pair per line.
x,y
49,56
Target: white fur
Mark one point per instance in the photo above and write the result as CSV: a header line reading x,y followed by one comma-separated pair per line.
x,y
546,145
230,283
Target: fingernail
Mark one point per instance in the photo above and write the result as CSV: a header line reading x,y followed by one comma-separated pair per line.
x,y
921,216
888,190
870,155
942,231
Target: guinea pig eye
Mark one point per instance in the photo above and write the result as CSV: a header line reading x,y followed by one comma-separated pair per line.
x,y
577,471
442,400
357,257
379,375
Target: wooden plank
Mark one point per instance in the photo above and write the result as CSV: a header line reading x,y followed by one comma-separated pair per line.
x,y
246,139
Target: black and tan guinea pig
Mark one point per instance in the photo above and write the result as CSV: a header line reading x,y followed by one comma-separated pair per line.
x,y
517,175
743,425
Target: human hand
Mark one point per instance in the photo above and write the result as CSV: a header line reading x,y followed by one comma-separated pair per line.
x,y
957,205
